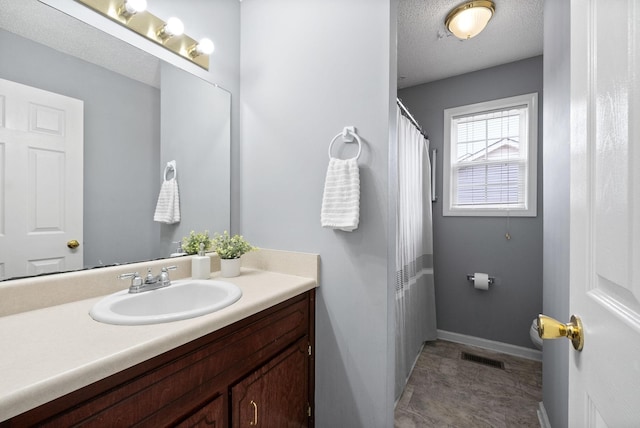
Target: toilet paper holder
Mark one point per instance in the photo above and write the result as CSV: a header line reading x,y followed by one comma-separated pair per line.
x,y
471,277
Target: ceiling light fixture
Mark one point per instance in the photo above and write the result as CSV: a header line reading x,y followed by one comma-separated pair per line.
x,y
469,19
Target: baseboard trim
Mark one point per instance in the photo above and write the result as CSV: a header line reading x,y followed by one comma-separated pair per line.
x,y
542,416
505,348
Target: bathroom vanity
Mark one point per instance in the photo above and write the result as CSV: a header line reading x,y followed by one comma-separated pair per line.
x,y
251,363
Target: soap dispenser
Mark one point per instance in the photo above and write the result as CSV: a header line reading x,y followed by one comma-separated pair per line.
x,y
178,252
201,265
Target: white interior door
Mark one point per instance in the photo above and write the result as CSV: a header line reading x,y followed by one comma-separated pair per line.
x,y
604,379
41,180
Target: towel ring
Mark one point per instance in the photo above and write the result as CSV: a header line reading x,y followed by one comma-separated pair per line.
x,y
171,166
345,134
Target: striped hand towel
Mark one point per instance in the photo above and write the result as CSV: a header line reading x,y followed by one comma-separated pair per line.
x,y
168,206
341,198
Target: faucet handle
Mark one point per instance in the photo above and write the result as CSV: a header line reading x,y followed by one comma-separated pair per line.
x,y
136,281
149,278
128,275
164,274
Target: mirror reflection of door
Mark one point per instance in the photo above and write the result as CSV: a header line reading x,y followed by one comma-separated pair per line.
x,y
41,157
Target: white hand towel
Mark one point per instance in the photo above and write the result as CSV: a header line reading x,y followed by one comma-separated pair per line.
x,y
341,198
168,206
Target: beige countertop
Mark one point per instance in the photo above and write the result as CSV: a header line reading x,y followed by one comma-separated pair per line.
x,y
55,350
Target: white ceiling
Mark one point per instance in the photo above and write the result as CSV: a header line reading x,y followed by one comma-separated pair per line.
x,y
428,52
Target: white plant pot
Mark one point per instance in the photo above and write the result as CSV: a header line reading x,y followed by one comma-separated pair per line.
x,y
229,267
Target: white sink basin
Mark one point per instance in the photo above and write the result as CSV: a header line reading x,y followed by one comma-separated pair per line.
x,y
187,298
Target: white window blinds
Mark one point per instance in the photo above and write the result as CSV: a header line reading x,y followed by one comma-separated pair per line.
x,y
488,170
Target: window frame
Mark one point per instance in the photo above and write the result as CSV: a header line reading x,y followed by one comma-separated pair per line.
x,y
530,101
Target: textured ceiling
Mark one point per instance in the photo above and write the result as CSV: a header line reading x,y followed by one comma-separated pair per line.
x,y
48,26
427,52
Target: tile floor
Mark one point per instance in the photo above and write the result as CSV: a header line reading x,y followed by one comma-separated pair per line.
x,y
446,391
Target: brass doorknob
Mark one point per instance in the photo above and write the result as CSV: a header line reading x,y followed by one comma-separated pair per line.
x,y
73,244
549,328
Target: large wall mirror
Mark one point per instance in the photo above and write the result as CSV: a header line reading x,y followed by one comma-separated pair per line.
x,y
138,114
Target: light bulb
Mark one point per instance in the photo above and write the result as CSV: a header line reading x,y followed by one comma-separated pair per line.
x,y
131,7
174,27
204,47
135,6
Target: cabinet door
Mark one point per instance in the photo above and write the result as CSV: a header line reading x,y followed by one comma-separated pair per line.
x,y
275,395
210,415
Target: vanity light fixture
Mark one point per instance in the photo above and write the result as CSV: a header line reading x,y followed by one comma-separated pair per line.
x,y
203,47
469,19
169,34
130,7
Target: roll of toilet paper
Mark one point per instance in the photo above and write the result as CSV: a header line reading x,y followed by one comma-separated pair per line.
x,y
481,281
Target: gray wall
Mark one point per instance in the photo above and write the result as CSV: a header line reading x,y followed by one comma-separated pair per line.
x,y
121,146
195,132
219,20
463,245
309,68
555,378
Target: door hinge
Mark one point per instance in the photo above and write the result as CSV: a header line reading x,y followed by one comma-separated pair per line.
x,y
309,350
309,410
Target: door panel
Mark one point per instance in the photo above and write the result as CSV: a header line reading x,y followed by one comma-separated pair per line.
x,y
45,208
605,212
46,119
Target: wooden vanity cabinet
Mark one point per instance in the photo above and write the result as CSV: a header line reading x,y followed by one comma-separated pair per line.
x,y
260,367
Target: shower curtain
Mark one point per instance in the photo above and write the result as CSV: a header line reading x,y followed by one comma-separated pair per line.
x,y
415,296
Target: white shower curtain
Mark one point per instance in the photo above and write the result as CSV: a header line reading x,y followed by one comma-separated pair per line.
x,y
415,296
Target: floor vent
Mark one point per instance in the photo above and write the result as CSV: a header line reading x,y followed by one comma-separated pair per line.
x,y
482,360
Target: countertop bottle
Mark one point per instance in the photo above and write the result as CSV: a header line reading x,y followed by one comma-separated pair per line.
x,y
201,265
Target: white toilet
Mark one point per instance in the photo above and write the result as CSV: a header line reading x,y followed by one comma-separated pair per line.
x,y
533,333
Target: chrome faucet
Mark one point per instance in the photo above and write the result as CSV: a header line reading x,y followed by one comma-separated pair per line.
x,y
150,282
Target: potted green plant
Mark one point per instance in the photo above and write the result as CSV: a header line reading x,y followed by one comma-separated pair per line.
x,y
229,249
191,243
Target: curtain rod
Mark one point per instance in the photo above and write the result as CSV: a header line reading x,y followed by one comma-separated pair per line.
x,y
405,112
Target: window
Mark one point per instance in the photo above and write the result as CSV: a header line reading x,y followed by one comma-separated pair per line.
x,y
490,153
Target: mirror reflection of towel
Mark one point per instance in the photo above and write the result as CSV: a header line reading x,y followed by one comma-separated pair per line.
x,y
168,206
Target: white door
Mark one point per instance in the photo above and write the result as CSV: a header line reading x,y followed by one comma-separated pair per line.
x,y
41,180
604,379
